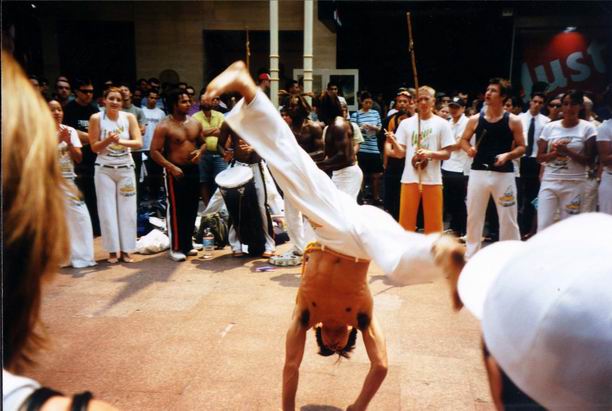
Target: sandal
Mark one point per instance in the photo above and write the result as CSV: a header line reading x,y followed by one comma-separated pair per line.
x,y
268,254
237,254
127,259
112,260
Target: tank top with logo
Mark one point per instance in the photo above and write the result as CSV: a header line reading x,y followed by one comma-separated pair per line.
x,y
115,154
493,139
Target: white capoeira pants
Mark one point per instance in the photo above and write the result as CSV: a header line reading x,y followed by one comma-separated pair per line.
x,y
79,228
339,222
562,195
116,193
348,180
270,189
481,185
605,192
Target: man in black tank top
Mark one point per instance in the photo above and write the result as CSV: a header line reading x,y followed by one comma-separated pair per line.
x,y
499,140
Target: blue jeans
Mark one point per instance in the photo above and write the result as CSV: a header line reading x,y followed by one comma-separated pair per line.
x,y
211,165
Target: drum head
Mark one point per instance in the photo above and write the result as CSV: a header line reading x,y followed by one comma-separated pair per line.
x,y
234,177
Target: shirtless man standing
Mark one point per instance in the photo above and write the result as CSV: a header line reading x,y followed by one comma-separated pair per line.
x,y
334,297
309,137
175,148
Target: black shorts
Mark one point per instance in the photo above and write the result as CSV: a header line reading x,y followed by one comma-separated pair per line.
x,y
370,163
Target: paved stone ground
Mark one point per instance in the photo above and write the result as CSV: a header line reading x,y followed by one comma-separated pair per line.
x,y
209,335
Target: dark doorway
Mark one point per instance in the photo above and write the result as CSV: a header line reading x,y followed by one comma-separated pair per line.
x,y
97,50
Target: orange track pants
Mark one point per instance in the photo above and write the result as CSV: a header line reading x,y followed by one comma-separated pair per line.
x,y
432,207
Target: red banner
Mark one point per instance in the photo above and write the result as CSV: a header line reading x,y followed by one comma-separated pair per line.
x,y
565,60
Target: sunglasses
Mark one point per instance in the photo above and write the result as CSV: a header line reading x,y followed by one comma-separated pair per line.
x,y
555,105
86,91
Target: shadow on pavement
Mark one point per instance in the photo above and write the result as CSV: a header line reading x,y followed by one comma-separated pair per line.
x,y
149,272
288,279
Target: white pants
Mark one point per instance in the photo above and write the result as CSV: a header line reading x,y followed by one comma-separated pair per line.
x,y
589,198
339,222
116,192
79,228
258,179
605,192
299,233
563,195
348,180
215,204
481,185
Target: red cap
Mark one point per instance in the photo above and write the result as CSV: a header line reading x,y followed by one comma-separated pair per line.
x,y
264,76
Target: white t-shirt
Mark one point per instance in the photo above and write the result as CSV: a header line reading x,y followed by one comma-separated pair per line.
x,y
604,133
152,118
15,390
66,163
459,161
539,122
436,134
564,168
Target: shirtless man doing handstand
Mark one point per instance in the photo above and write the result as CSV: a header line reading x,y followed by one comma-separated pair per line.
x,y
333,297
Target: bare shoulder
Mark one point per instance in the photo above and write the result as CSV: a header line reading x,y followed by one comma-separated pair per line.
x,y
95,116
473,118
514,119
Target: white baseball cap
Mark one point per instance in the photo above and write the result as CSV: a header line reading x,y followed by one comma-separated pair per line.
x,y
545,307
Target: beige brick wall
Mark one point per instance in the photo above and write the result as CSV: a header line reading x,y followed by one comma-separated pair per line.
x,y
168,35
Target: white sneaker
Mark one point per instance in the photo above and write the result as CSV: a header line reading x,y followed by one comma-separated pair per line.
x,y
192,252
177,256
197,246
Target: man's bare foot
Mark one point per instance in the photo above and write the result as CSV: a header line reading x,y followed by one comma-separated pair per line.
x,y
235,78
449,255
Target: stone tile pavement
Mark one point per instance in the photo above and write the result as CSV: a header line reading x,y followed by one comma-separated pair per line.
x,y
209,335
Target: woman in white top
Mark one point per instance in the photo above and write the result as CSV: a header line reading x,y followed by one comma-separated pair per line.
x,y
565,147
112,134
77,217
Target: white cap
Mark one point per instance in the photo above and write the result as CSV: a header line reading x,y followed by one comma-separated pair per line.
x,y
546,311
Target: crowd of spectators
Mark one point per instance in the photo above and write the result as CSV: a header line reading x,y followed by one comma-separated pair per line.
x,y
542,193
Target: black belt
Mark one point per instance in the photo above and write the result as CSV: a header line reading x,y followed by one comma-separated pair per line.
x,y
114,167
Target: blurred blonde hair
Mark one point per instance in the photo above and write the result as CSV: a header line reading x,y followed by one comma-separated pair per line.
x,y
429,90
34,229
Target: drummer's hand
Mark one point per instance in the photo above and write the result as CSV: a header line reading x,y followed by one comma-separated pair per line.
x,y
195,156
175,171
228,155
244,147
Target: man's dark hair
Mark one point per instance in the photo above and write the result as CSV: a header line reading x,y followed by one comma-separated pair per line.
x,y
344,353
124,83
303,108
365,95
80,82
152,90
290,83
538,94
504,85
332,84
173,96
328,108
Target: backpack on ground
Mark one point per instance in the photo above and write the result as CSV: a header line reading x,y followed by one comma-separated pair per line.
x,y
218,227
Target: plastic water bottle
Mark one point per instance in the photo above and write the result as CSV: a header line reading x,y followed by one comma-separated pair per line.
x,y
208,242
